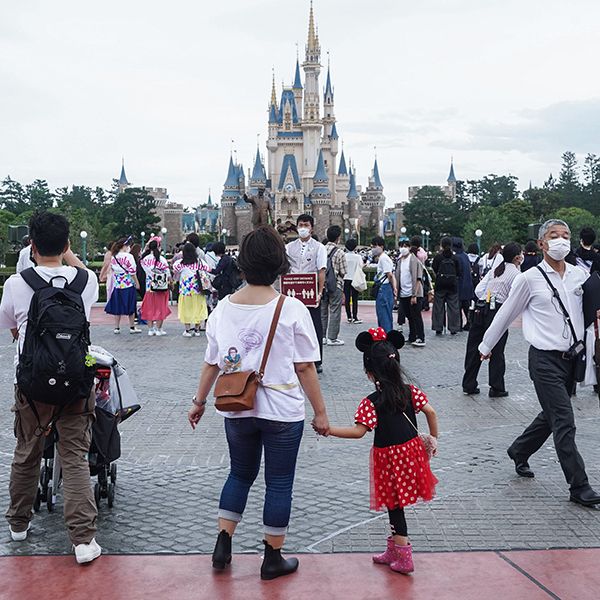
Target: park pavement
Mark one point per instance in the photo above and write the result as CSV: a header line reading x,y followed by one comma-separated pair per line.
x,y
170,477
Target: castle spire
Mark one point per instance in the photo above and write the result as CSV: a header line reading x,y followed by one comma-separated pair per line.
x,y
123,178
343,170
376,178
352,192
328,88
273,92
451,176
312,43
258,173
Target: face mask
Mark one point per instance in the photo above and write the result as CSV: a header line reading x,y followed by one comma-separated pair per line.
x,y
303,232
558,248
404,252
376,251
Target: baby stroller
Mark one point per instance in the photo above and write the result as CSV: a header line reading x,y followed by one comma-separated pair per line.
x,y
113,390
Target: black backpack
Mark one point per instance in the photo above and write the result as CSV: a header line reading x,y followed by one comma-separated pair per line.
x,y
53,366
447,276
330,276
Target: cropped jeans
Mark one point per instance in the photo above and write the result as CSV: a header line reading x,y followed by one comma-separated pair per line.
x,y
246,438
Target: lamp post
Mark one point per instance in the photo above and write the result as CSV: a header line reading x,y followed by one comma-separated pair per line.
x,y
478,234
423,232
346,233
403,232
164,239
83,235
143,236
224,233
427,235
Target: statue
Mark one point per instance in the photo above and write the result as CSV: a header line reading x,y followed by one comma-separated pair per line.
x,y
288,230
261,208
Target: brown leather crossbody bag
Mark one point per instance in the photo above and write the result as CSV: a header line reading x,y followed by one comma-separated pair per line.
x,y
236,391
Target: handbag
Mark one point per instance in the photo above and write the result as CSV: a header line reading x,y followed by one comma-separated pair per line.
x,y
359,281
576,352
428,440
236,391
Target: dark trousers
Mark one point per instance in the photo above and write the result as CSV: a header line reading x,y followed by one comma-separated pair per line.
x,y
445,301
497,366
315,315
553,379
350,298
412,313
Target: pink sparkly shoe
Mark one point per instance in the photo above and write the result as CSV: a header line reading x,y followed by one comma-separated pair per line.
x,y
404,562
389,556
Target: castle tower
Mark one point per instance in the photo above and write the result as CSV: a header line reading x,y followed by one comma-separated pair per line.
x,y
123,183
452,180
229,198
342,183
373,201
321,198
329,143
353,198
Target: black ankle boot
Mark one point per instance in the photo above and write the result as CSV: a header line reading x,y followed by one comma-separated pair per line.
x,y
274,565
222,553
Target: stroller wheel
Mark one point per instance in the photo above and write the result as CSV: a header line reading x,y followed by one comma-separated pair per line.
x,y
110,494
37,503
113,473
97,494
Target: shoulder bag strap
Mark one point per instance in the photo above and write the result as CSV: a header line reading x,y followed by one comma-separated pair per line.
x,y
80,282
33,279
560,302
271,335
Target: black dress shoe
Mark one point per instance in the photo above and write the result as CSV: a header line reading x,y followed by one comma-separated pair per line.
x,y
585,497
319,369
471,392
497,393
521,466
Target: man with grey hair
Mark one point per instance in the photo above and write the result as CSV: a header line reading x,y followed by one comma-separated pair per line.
x,y
537,294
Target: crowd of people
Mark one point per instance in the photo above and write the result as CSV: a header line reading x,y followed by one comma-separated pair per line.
x,y
275,368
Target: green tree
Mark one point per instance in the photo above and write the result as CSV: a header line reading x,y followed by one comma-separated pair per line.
x,y
133,211
591,177
569,186
494,224
431,209
576,218
39,196
493,190
13,196
519,214
543,201
6,218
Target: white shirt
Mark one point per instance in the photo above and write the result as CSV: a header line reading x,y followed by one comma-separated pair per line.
x,y
498,287
489,264
236,336
16,297
353,262
544,325
406,288
384,266
25,261
306,257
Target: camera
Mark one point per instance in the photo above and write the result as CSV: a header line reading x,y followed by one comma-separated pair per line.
x,y
575,351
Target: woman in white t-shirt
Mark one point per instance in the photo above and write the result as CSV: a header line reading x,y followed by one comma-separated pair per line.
x,y
155,305
123,299
236,333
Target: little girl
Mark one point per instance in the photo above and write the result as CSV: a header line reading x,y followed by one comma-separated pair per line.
x,y
400,472
155,306
191,307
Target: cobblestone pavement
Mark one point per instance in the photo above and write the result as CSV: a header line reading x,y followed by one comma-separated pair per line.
x,y
170,477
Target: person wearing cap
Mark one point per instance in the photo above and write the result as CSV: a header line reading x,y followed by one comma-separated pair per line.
x,y
553,372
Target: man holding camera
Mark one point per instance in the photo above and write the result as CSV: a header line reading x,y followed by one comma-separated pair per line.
x,y
550,299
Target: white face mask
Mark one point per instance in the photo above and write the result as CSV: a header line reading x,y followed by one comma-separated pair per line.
x,y
404,252
303,232
558,248
376,251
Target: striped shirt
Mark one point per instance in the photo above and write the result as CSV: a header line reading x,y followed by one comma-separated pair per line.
x,y
498,287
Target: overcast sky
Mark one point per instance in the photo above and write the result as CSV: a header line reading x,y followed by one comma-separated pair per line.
x,y
504,86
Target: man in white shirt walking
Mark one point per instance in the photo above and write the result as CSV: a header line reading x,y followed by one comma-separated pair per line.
x,y
331,303
386,280
546,328
307,255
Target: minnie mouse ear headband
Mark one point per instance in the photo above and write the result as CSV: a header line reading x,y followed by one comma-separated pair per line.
x,y
365,340
155,238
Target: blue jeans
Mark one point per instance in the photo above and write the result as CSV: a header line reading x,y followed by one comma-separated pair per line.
x,y
246,438
384,306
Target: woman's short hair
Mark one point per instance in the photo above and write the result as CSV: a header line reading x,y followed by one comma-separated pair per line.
x,y
351,244
219,248
262,256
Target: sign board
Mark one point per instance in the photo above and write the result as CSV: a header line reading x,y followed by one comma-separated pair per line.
x,y
302,286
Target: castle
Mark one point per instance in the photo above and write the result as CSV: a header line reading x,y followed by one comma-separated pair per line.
x,y
303,174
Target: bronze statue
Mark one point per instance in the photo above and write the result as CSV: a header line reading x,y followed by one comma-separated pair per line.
x,y
261,208
288,230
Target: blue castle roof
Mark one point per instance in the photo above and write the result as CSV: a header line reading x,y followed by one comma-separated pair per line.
x,y
273,114
288,96
352,192
289,163
321,179
343,170
258,173
376,178
328,88
451,176
232,174
123,177
297,80
334,134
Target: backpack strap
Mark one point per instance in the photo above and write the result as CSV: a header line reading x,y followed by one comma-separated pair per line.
x,y
79,283
34,280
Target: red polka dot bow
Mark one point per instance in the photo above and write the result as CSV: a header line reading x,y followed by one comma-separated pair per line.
x,y
378,334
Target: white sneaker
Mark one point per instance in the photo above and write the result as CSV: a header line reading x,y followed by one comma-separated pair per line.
x,y
19,536
198,332
325,341
187,334
419,343
161,332
116,330
152,331
85,553
134,330
335,342
357,321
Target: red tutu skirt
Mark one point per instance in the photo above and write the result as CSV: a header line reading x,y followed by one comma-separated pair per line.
x,y
155,306
401,475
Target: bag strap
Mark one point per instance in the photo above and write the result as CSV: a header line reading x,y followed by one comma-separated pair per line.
x,y
80,282
34,280
560,302
271,335
408,419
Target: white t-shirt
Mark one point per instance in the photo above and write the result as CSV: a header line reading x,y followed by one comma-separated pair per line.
x,y
405,278
25,261
384,266
354,261
236,335
16,297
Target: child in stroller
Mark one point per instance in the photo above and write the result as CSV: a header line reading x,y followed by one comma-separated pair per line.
x,y
113,389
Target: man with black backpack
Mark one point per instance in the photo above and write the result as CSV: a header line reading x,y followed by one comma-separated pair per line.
x,y
47,308
333,292
447,270
227,274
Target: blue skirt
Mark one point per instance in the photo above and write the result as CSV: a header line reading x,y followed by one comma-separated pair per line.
x,y
122,302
